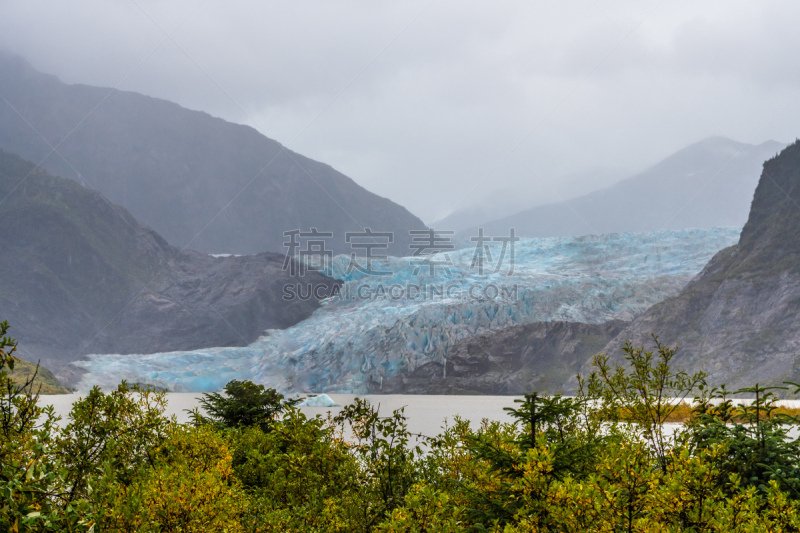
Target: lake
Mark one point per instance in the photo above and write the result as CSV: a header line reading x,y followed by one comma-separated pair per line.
x,y
426,413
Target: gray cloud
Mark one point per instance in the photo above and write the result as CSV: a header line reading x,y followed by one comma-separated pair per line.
x,y
417,100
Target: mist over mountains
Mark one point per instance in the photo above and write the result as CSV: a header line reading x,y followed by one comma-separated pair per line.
x,y
485,204
707,184
87,276
199,181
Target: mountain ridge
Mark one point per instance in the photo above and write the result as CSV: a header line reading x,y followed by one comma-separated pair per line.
x,y
199,180
664,196
81,275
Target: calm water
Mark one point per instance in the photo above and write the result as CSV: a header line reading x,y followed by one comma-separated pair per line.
x,y
426,413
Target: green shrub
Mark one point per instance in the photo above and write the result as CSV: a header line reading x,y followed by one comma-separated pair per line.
x,y
600,462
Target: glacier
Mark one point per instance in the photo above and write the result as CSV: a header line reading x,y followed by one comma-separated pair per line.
x,y
380,326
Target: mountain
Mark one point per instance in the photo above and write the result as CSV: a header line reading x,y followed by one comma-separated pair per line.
x,y
199,181
707,184
80,275
739,319
482,206
465,218
540,356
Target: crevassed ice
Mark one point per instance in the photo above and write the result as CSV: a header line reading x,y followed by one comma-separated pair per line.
x,y
378,326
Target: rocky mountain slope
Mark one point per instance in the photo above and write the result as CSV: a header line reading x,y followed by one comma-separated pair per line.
x,y
80,275
199,181
739,319
707,184
533,357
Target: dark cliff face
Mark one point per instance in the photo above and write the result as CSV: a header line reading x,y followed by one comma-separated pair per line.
x,y
80,275
739,319
197,180
770,241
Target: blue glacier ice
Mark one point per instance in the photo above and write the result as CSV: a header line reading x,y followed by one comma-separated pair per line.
x,y
378,326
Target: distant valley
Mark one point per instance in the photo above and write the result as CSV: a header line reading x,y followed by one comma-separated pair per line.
x,y
707,184
146,241
736,319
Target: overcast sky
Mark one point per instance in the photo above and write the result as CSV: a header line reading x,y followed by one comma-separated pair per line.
x,y
422,101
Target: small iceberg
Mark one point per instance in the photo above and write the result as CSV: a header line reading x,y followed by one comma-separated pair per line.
x,y
320,400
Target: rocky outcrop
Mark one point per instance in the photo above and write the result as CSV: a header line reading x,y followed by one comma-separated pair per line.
x,y
80,275
739,319
199,181
516,360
